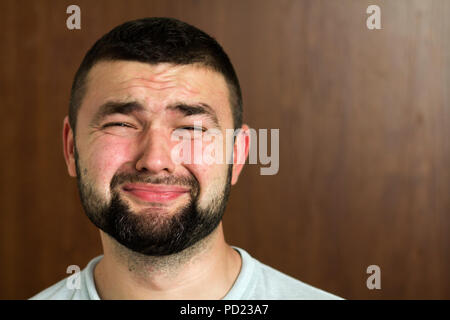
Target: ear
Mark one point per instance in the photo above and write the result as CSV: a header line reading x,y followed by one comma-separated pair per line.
x,y
240,152
69,147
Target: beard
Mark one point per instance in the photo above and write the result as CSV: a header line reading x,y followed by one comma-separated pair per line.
x,y
151,232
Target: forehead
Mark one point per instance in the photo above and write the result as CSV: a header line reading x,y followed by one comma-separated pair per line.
x,y
157,86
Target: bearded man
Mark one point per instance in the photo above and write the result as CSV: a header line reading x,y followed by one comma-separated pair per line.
x,y
160,219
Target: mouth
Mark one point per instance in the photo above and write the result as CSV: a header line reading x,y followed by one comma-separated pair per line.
x,y
154,193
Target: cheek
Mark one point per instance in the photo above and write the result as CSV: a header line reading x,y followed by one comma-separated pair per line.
x,y
212,179
104,159
194,159
204,153
211,172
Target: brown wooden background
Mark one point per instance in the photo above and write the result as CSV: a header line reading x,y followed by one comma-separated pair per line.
x,y
364,127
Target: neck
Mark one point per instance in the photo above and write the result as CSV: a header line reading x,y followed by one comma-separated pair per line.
x,y
206,270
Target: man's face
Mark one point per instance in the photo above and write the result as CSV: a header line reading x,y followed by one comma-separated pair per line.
x,y
129,183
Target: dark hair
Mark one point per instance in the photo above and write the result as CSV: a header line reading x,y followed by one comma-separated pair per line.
x,y
153,41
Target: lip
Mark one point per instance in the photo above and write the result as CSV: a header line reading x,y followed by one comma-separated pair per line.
x,y
155,193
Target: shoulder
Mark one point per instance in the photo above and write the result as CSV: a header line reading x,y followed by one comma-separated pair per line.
x,y
78,286
58,291
278,285
267,283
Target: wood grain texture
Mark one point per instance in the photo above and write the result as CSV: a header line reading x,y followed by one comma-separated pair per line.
x,y
364,139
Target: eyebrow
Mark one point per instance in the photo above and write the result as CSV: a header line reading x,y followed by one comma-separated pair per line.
x,y
200,108
116,107
126,108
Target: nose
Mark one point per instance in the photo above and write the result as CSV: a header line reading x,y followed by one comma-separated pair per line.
x,y
155,154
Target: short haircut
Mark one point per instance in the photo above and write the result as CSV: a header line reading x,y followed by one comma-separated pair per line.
x,y
153,41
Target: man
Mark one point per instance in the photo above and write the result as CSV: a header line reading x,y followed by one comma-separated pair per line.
x,y
159,218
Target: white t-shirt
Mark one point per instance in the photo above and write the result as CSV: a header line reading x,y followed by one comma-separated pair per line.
x,y
256,281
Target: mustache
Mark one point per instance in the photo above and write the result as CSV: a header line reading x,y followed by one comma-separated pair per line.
x,y
135,177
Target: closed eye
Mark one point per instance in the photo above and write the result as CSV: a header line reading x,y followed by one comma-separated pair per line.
x,y
118,124
194,128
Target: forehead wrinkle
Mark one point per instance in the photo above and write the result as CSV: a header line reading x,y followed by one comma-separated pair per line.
x,y
154,87
160,85
148,79
164,76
